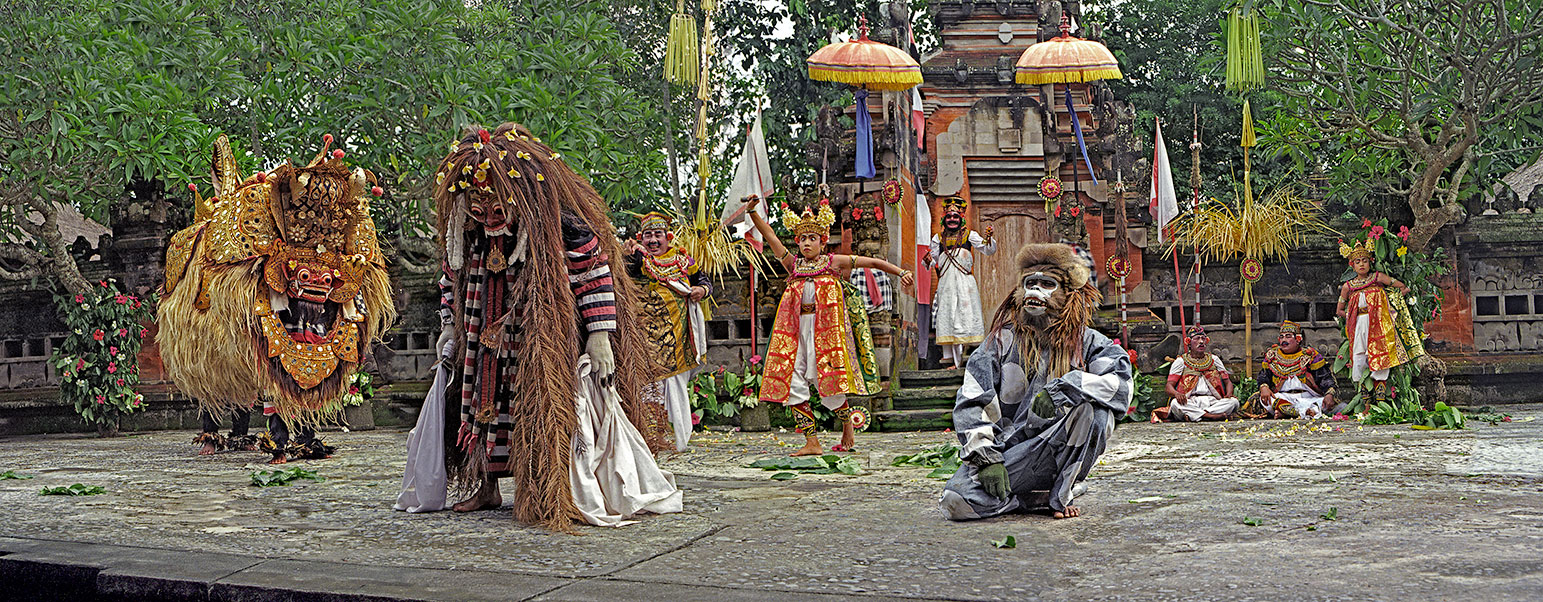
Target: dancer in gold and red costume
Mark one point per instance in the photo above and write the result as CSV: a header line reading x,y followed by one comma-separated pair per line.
x,y
671,315
820,337
1377,322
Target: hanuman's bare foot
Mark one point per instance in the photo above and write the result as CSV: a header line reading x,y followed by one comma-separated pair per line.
x,y
1069,512
487,498
810,448
209,449
278,459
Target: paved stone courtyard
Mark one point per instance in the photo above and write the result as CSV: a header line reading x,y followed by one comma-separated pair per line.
x,y
1417,515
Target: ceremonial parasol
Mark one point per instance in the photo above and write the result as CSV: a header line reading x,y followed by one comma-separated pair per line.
x,y
1062,60
869,65
1065,59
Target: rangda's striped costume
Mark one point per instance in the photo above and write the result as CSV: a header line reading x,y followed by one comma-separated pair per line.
x,y
528,290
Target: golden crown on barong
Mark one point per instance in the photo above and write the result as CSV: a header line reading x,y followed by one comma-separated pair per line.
x,y
1361,249
654,220
809,221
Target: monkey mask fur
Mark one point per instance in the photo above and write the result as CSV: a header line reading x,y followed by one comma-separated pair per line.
x,y
1053,302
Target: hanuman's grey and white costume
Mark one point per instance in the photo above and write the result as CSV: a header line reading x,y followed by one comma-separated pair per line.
x,y
995,420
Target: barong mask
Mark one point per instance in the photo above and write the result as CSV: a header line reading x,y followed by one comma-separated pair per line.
x,y
1053,302
316,291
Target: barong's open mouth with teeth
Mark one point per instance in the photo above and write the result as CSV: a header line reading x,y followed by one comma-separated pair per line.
x,y
282,284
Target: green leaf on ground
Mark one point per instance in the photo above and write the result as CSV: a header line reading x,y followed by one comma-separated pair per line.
x,y
1252,522
1332,514
943,460
784,476
276,478
1006,542
1312,527
11,474
826,464
76,489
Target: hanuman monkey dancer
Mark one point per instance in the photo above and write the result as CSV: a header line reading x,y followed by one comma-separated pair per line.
x,y
1040,396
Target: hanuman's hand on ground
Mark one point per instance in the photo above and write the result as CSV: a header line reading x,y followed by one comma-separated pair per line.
x,y
993,478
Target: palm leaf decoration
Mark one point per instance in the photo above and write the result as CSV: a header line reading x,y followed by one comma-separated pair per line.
x,y
1266,229
715,250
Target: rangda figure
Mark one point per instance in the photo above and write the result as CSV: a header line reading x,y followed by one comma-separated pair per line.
x,y
276,291
671,313
820,337
1377,322
956,312
1040,396
544,341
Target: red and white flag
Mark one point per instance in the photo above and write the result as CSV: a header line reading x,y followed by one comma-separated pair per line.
x,y
1164,203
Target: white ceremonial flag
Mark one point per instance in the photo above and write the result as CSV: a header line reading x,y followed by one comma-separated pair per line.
x,y
1164,203
752,175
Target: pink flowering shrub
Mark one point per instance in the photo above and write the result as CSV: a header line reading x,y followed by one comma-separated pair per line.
x,y
98,362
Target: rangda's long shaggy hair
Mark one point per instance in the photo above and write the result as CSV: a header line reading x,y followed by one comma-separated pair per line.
x,y
1059,330
539,188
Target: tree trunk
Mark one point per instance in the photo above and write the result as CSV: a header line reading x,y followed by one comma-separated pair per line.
x,y
60,262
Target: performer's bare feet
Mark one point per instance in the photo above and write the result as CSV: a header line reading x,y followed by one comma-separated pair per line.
x,y
209,449
1069,512
848,440
953,367
278,459
486,498
811,447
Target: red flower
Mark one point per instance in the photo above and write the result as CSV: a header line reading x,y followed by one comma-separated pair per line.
x,y
120,298
1377,231
747,392
353,390
1403,232
112,350
1076,210
1366,223
80,365
857,213
80,298
112,367
123,332
98,335
144,332
120,382
1057,211
755,359
103,283
101,399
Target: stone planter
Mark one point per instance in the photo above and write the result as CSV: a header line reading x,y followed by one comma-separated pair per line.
x,y
755,419
360,417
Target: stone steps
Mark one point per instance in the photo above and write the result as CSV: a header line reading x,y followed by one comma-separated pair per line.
x,y
931,419
913,379
929,397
